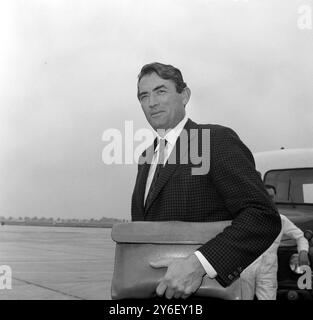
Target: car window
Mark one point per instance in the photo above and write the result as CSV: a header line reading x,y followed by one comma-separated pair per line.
x,y
292,185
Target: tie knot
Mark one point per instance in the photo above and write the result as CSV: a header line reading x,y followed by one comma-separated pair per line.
x,y
162,142
159,143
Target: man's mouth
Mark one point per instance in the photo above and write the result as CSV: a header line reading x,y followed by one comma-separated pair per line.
x,y
155,114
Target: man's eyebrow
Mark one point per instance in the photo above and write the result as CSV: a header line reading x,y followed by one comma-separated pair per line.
x,y
142,93
159,87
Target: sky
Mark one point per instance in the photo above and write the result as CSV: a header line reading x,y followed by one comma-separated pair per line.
x,y
68,73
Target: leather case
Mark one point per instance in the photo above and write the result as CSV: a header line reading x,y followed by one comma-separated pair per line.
x,y
139,243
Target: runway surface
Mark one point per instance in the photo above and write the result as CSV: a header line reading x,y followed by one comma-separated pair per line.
x,y
60,263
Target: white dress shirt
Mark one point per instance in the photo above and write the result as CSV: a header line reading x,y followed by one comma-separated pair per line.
x,y
171,138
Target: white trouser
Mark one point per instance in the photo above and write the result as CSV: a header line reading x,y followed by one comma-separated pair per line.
x,y
260,278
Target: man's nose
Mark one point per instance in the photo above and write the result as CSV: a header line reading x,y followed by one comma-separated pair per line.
x,y
153,101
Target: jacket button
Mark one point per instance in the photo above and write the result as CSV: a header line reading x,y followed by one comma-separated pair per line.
x,y
236,274
230,277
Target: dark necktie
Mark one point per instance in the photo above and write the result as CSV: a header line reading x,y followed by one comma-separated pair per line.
x,y
162,145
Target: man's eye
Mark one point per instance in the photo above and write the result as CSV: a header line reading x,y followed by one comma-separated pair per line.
x,y
142,98
161,91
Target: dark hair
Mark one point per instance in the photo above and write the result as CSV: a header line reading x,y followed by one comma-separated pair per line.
x,y
164,71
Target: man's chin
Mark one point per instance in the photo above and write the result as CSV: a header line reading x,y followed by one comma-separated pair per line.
x,y
158,125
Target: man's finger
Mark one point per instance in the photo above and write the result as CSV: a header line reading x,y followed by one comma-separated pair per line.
x,y
162,263
185,296
188,292
169,293
177,295
161,289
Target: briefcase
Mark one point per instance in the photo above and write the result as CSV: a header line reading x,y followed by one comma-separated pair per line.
x,y
139,243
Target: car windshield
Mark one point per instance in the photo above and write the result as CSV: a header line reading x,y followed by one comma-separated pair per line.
x,y
291,186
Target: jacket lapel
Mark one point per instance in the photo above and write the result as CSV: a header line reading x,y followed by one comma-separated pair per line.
x,y
143,175
179,155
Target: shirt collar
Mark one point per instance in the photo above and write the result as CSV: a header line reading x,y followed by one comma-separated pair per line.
x,y
172,136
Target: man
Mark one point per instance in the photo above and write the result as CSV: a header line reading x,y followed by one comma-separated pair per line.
x,y
230,190
260,278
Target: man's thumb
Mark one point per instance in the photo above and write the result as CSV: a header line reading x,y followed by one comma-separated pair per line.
x,y
162,263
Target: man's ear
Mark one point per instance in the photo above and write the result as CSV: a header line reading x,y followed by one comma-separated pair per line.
x,y
186,95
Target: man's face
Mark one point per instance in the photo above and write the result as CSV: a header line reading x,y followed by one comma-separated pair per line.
x,y
163,106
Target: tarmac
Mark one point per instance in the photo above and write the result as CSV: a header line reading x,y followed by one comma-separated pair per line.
x,y
57,263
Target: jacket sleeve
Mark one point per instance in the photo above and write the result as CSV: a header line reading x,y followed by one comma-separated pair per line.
x,y
255,220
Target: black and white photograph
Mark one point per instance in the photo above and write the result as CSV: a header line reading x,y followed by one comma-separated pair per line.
x,y
156,152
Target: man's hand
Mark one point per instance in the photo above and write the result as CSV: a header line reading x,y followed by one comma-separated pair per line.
x,y
183,276
303,258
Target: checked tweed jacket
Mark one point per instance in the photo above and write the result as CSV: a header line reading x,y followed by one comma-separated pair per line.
x,y
231,190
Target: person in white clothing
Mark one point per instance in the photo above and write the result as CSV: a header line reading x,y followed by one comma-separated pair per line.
x,y
260,277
